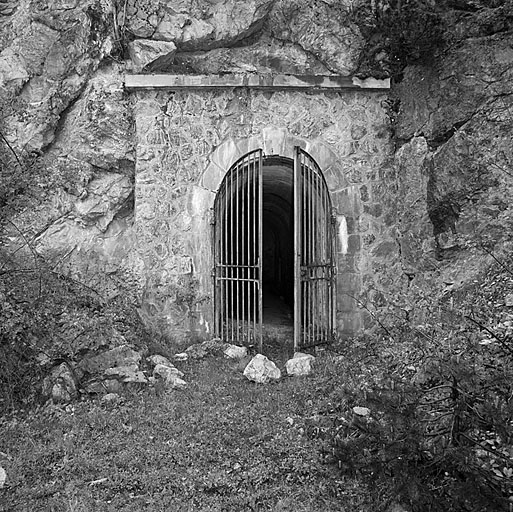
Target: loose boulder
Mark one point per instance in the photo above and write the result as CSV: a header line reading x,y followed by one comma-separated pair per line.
x,y
170,376
118,356
300,364
235,352
166,371
261,370
158,359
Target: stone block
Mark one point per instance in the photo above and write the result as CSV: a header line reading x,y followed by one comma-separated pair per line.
x,y
386,249
353,244
273,140
347,201
225,155
345,302
335,176
212,177
373,209
349,322
322,154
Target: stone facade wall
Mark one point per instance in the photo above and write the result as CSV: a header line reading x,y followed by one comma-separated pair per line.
x,y
186,142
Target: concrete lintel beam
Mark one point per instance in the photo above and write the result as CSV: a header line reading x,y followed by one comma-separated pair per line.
x,y
309,83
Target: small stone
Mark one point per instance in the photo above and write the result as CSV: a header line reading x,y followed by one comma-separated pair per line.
x,y
182,356
3,477
261,370
396,507
166,372
110,398
158,359
178,383
213,347
361,411
300,364
509,300
235,352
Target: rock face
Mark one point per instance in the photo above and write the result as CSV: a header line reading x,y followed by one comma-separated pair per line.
x,y
454,120
51,54
197,25
408,217
261,370
323,29
151,55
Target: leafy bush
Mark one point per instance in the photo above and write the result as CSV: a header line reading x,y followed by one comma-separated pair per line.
x,y
47,318
441,413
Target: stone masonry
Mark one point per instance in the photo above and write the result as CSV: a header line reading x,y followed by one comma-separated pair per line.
x,y
185,143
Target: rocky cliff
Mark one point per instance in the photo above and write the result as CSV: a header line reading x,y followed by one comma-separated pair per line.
x,y
67,122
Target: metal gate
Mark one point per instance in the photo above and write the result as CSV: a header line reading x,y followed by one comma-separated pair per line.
x,y
238,253
314,269
238,240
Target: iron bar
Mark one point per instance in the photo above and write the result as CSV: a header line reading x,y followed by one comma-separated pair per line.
x,y
297,252
260,246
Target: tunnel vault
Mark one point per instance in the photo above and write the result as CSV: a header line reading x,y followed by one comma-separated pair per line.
x,y
274,244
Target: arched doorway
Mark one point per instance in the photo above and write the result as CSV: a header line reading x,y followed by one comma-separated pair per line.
x,y
273,244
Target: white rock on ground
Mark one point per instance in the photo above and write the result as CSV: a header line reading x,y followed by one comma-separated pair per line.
x,y
261,370
361,411
158,359
110,398
300,364
182,356
170,375
3,477
165,370
235,352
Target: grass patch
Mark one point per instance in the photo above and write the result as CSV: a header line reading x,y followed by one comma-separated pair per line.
x,y
223,444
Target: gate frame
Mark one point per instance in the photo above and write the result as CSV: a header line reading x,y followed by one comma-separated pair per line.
x,y
227,275
303,160
239,165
